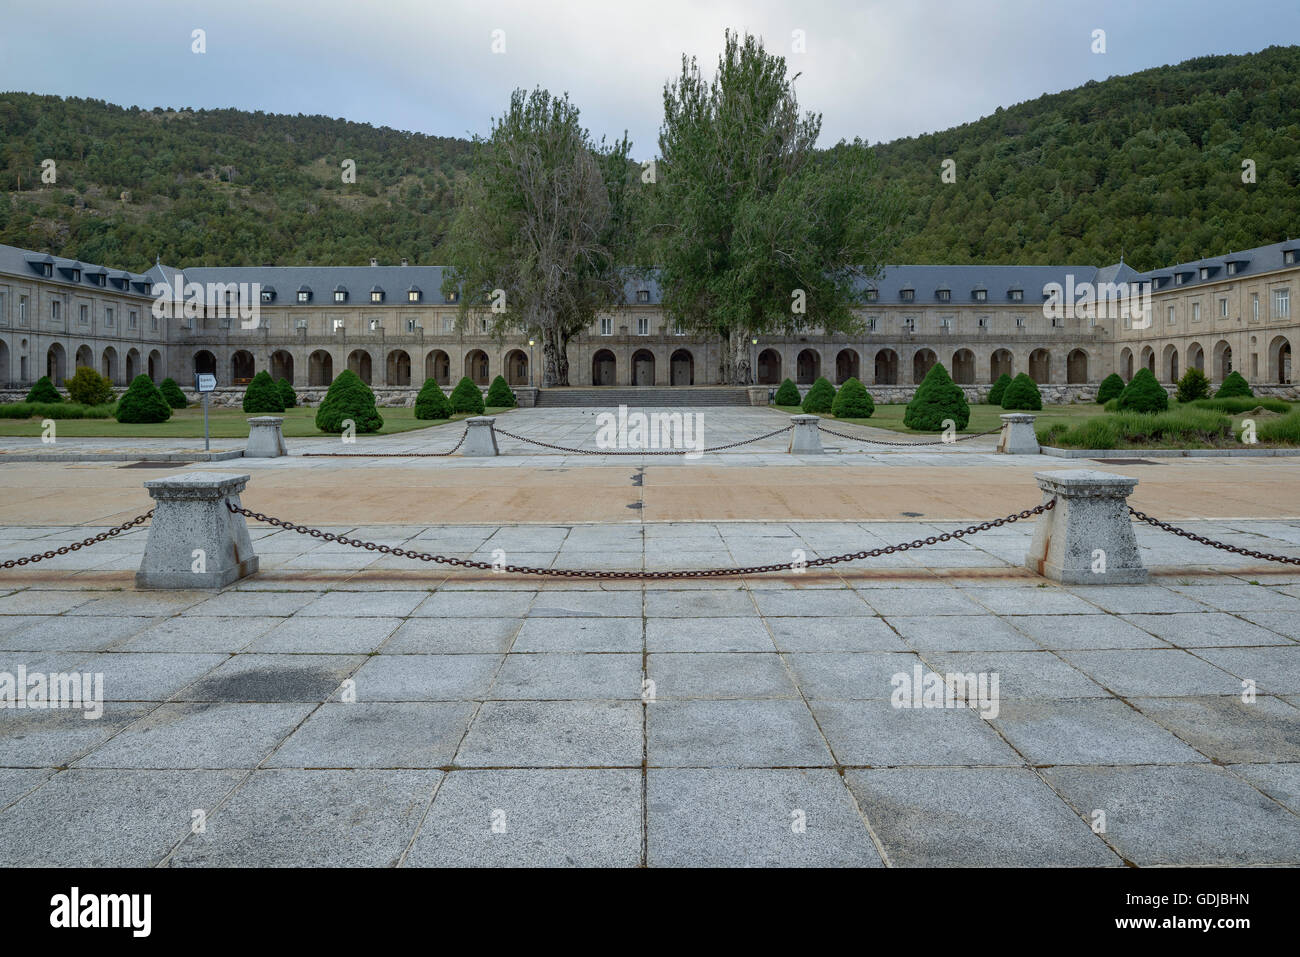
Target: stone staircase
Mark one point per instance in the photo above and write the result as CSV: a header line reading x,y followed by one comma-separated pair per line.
x,y
642,396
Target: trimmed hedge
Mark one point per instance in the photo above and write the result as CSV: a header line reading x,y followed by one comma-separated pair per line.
x,y
1193,385
853,401
1244,404
1234,385
173,394
348,398
43,391
1110,388
937,400
54,410
1144,394
820,398
499,394
263,395
142,402
1022,395
287,395
432,402
467,397
999,389
88,387
788,394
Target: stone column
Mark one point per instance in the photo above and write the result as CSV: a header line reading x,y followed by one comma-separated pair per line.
x,y
1087,538
265,437
482,438
194,540
1018,437
806,436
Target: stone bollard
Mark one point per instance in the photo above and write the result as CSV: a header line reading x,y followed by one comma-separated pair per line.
x,y
482,438
806,436
194,540
1087,538
265,437
1018,437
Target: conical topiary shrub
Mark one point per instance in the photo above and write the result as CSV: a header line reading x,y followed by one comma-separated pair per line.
x,y
467,397
1234,384
349,398
1000,387
788,394
43,391
937,399
499,395
287,395
853,401
1110,388
173,394
1193,385
820,398
262,395
1144,394
142,402
432,402
1022,395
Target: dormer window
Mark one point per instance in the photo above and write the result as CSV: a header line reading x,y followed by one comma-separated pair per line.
x,y
47,270
1205,272
304,295
943,295
268,295
907,295
340,295
1017,295
376,295
101,279
1232,269
1288,257
643,295
453,297
76,275
981,295
412,295
873,295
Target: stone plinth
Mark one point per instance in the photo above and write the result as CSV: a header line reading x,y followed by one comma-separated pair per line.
x,y
481,438
1087,538
265,437
806,437
1018,436
195,541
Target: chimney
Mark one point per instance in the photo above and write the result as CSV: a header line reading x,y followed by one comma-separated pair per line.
x,y
404,262
374,261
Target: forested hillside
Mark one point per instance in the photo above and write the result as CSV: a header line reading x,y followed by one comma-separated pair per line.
x,y
1149,164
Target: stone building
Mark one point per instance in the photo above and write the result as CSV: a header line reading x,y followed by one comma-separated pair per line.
x,y
1066,326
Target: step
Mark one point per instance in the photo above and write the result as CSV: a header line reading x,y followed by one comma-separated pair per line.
x,y
644,397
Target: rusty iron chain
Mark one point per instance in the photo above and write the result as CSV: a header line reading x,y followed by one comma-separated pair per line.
x,y
1222,546
565,448
650,575
392,455
77,546
908,445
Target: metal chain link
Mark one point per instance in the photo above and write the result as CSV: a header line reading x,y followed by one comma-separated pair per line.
x,y
565,448
960,438
1222,546
77,546
657,576
391,455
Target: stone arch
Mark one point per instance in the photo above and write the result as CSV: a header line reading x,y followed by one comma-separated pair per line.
x,y
56,363
808,366
769,367
242,367
1126,363
886,367
437,366
643,367
132,364
205,362
1222,360
359,363
1076,367
108,365
681,367
1147,359
282,365
963,367
1001,363
398,369
477,367
1279,360
1196,357
1169,362
922,362
320,368
847,366
6,372
604,367
516,366
1040,366
85,358
155,365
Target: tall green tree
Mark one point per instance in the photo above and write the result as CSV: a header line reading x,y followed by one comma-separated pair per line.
x,y
537,240
756,232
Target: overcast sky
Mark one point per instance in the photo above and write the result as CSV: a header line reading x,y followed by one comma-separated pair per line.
x,y
878,70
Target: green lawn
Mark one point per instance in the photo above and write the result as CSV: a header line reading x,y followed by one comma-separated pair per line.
x,y
224,424
983,417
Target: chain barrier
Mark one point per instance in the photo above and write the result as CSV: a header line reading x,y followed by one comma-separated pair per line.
x,y
651,575
1222,546
391,455
77,546
960,438
715,448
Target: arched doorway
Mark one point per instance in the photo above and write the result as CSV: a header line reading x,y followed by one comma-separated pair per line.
x,y
1222,360
682,368
1148,359
241,368
922,363
808,366
132,364
85,358
108,365
155,365
1170,362
205,362
359,364
769,367
1000,364
846,365
54,363
963,367
476,366
1279,361
886,367
399,368
1040,366
282,365
6,372
1195,357
320,368
603,368
643,367
517,367
437,366
1126,364
1076,367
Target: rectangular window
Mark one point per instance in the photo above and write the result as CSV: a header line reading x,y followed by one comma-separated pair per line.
x,y
909,323
679,329
448,324
984,322
22,310
981,295
412,296
338,324
606,325
303,295
482,325
1020,322
374,325
1254,307
376,296
85,315
410,325
945,295
643,325
945,324
132,319
1232,269
267,296
908,295
153,322
340,296
1281,303
1170,320
1196,312
1289,257
108,316
873,295
871,324
1017,295
55,310
1223,307
643,295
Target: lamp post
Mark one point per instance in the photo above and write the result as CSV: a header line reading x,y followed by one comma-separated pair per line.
x,y
530,362
753,366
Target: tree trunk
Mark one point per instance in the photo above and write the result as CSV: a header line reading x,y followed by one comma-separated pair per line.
x,y
737,371
562,359
550,360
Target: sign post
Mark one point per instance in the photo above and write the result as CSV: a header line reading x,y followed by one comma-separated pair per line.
x,y
204,384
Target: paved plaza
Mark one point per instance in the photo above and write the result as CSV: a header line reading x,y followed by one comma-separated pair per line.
x,y
343,707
